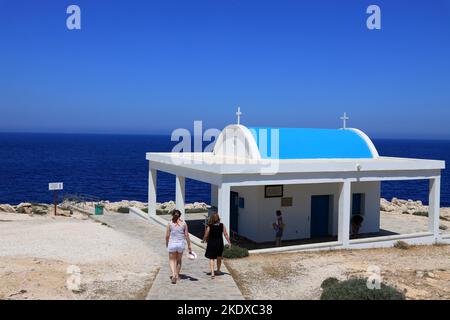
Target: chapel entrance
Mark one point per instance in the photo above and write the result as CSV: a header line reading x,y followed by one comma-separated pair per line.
x,y
320,212
234,212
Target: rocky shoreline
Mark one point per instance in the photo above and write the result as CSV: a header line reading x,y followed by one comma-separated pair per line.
x,y
395,206
417,208
118,206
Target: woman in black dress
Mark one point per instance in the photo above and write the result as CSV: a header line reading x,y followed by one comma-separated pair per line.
x,y
214,236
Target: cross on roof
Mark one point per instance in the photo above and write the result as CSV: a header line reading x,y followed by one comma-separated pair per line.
x,y
238,114
344,118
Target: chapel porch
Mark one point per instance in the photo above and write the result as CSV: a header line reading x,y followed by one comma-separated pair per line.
x,y
226,177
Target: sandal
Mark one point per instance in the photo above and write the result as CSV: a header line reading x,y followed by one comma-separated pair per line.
x,y
173,280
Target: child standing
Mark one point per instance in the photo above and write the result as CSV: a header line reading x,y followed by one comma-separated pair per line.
x,y
278,226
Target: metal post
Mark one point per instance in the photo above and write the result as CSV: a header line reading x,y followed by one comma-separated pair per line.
x,y
55,199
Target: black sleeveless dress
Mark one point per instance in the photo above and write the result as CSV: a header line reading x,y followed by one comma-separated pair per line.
x,y
214,248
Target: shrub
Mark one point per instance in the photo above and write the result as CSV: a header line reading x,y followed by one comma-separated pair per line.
x,y
356,289
160,212
123,210
329,282
235,252
401,245
164,211
196,210
421,213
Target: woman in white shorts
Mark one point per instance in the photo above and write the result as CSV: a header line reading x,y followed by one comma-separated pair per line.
x,y
176,236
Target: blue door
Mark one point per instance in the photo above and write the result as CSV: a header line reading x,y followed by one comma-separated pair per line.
x,y
320,212
234,211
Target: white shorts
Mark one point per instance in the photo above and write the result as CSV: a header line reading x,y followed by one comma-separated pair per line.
x,y
175,247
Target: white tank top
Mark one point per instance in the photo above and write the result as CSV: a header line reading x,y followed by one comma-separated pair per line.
x,y
176,232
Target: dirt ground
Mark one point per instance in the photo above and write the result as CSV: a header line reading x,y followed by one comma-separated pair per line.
x,y
43,257
422,272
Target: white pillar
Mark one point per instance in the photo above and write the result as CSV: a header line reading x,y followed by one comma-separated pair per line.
x,y
434,196
180,183
223,206
214,195
151,192
344,212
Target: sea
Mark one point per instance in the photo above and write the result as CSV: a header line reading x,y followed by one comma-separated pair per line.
x,y
114,168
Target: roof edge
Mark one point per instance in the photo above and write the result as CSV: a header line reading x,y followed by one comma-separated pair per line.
x,y
367,140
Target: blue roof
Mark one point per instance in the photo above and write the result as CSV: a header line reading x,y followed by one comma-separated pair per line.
x,y
305,143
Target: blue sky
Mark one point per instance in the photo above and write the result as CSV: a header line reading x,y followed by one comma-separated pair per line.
x,y
153,66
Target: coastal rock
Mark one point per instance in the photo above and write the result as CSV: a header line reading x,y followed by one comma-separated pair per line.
x,y
384,204
24,207
389,208
115,206
445,214
401,206
200,205
168,206
7,208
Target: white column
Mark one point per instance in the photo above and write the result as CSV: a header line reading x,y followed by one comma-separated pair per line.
x,y
151,192
214,195
344,213
223,206
434,196
180,183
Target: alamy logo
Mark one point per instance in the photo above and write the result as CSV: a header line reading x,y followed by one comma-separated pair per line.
x,y
73,21
374,20
73,282
373,278
233,145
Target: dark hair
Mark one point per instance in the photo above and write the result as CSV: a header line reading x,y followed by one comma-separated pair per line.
x,y
176,214
214,218
278,213
357,219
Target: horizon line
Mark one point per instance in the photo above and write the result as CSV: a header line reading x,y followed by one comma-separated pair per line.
x,y
401,136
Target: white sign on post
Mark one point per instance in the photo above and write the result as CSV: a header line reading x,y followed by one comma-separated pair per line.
x,y
55,186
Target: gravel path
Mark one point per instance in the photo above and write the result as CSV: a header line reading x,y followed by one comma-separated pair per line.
x,y
195,282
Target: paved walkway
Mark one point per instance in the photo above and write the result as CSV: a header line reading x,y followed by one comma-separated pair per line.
x,y
195,282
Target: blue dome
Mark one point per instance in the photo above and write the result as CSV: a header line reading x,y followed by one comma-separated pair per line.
x,y
305,143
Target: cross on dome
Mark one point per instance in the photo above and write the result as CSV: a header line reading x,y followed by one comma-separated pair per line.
x,y
238,114
344,119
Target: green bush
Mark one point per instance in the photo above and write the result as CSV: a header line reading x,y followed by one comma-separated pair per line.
x,y
356,289
235,252
401,245
196,210
123,210
163,211
329,282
